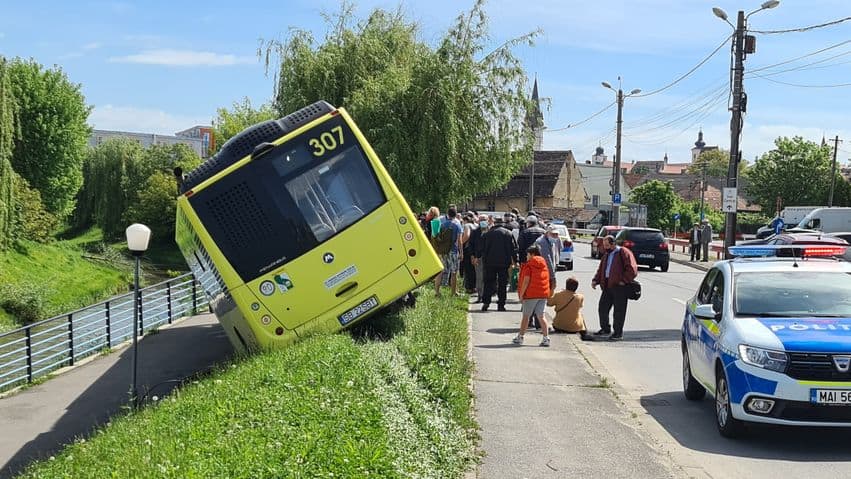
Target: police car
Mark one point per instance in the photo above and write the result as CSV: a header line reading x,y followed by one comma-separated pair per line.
x,y
770,338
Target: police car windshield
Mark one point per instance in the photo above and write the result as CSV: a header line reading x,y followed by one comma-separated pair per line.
x,y
793,294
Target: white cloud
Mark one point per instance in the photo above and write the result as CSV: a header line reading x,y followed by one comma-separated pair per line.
x,y
184,58
142,120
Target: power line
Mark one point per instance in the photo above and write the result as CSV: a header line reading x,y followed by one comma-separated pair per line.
x,y
804,66
686,74
574,125
802,29
785,62
838,85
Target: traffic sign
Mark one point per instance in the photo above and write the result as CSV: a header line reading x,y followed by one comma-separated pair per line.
x,y
729,200
616,199
676,216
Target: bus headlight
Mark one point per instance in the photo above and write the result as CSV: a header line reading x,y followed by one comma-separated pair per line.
x,y
763,358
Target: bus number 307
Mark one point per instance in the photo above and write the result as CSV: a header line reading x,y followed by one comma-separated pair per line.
x,y
326,141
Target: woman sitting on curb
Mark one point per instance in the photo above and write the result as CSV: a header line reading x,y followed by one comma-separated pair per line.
x,y
533,289
568,308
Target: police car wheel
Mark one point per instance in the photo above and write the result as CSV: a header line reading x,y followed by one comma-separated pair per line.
x,y
692,389
728,426
569,266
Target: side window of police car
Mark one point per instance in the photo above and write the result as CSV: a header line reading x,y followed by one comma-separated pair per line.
x,y
717,294
705,292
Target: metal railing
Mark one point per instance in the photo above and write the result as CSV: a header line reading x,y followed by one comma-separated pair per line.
x,y
37,349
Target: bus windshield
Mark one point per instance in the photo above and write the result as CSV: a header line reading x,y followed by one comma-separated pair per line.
x,y
289,200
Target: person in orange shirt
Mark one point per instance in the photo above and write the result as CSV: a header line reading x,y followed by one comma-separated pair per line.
x,y
533,289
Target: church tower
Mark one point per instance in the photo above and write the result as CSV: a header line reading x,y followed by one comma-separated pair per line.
x,y
535,119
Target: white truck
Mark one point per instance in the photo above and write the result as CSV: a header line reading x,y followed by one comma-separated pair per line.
x,y
791,215
827,220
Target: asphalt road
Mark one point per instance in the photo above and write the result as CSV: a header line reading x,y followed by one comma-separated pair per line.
x,y
646,369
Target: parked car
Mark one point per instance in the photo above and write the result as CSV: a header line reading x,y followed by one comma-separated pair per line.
x,y
847,237
598,239
565,258
648,245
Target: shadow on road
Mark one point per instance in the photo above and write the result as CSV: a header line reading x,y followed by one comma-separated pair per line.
x,y
165,358
692,424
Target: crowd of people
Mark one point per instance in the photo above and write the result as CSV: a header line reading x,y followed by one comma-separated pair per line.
x,y
496,254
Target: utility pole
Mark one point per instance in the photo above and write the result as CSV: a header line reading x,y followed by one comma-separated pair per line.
x,y
833,171
616,174
735,127
702,186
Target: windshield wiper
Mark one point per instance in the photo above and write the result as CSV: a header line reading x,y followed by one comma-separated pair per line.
x,y
771,315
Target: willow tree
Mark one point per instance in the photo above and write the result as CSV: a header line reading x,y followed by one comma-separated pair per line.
x,y
7,134
446,120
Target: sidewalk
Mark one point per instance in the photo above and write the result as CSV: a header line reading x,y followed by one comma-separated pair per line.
x,y
37,421
544,412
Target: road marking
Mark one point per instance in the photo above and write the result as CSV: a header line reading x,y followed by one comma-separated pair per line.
x,y
679,301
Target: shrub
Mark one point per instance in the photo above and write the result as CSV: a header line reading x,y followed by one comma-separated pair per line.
x,y
25,301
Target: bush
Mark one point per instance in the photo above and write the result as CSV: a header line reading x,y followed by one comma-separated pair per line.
x,y
26,302
33,221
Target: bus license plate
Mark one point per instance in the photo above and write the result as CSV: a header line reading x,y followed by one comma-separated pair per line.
x,y
358,310
835,397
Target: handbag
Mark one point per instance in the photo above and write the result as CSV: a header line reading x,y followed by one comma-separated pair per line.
x,y
633,290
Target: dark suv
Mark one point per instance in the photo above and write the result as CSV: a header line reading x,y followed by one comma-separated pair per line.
x,y
648,245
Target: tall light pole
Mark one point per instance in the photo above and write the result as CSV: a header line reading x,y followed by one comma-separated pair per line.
x,y
742,45
137,242
616,173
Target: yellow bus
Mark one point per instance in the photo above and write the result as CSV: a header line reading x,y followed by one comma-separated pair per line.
x,y
295,226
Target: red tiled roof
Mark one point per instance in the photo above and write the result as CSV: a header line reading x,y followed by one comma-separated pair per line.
x,y
626,166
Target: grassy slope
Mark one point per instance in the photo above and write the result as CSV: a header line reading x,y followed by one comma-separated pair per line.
x,y
330,406
71,277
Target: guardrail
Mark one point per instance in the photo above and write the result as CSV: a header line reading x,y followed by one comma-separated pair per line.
x,y
718,249
37,349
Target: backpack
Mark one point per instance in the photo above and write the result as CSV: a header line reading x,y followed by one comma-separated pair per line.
x,y
443,241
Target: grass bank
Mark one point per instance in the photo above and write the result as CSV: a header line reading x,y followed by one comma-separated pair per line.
x,y
390,399
38,281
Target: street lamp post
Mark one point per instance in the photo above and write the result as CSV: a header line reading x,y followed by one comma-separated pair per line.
x,y
740,49
616,173
137,242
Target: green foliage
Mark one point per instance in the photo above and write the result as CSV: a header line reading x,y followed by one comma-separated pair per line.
x,y
155,207
50,150
8,132
661,201
748,223
329,406
690,213
25,301
716,163
126,184
230,122
798,171
447,122
32,221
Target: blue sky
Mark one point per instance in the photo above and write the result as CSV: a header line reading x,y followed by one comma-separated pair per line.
x,y
164,66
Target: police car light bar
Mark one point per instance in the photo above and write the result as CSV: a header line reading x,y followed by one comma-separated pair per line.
x,y
807,251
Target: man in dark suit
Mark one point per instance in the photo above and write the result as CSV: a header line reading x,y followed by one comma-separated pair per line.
x,y
498,252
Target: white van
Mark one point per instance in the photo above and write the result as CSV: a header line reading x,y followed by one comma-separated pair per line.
x,y
827,220
793,215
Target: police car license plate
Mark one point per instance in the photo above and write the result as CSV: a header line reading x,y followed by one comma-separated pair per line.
x,y
358,310
841,397
647,255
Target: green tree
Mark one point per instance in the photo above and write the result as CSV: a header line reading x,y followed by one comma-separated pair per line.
x,y
242,115
155,206
716,163
798,171
661,201
50,150
104,197
8,129
447,122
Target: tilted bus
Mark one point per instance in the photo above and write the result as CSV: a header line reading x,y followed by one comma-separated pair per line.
x,y
295,226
